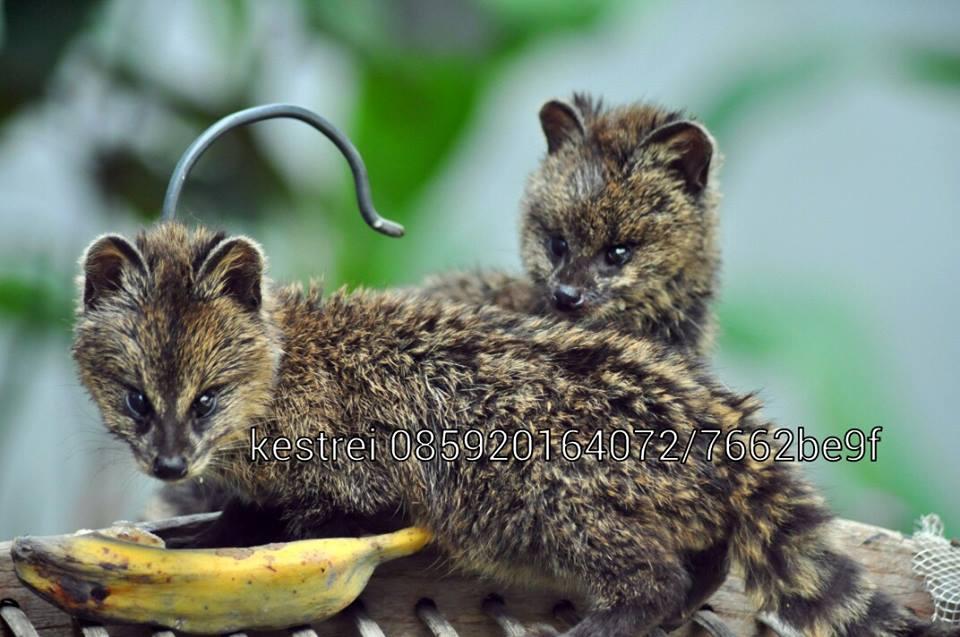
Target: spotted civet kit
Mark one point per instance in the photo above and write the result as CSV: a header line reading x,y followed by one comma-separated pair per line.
x,y
185,348
618,230
618,226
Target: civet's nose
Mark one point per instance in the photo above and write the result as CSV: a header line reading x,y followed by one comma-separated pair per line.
x,y
169,467
567,297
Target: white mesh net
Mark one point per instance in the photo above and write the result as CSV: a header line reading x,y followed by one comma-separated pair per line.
x,y
938,561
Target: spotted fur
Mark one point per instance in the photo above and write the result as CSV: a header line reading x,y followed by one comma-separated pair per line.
x,y
610,177
636,176
293,364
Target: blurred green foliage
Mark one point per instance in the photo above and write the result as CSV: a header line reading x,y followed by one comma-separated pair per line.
x,y
835,364
415,102
762,83
37,299
936,66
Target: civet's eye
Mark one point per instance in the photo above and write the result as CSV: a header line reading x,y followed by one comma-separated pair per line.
x,y
205,404
137,404
618,255
558,247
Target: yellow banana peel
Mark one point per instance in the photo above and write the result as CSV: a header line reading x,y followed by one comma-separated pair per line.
x,y
127,575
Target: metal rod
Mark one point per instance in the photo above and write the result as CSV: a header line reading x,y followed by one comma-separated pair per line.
x,y
433,619
494,606
773,624
93,630
366,626
711,622
16,619
273,111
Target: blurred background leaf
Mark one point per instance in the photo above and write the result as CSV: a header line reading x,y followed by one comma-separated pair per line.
x,y
935,66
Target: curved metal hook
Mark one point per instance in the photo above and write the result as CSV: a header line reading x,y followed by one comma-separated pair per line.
x,y
274,111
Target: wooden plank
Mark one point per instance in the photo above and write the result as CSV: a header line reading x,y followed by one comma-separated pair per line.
x,y
393,593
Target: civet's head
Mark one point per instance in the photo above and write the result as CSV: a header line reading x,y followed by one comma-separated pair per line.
x,y
174,344
620,214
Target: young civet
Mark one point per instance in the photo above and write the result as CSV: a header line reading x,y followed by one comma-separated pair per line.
x,y
618,230
618,226
202,366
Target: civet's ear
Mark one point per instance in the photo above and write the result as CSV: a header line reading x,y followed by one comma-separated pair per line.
x,y
234,268
561,122
104,264
691,149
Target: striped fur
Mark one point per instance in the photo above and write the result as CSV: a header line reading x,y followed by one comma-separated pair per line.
x,y
375,364
614,182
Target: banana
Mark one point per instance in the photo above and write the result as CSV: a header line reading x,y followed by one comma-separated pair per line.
x,y
107,577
